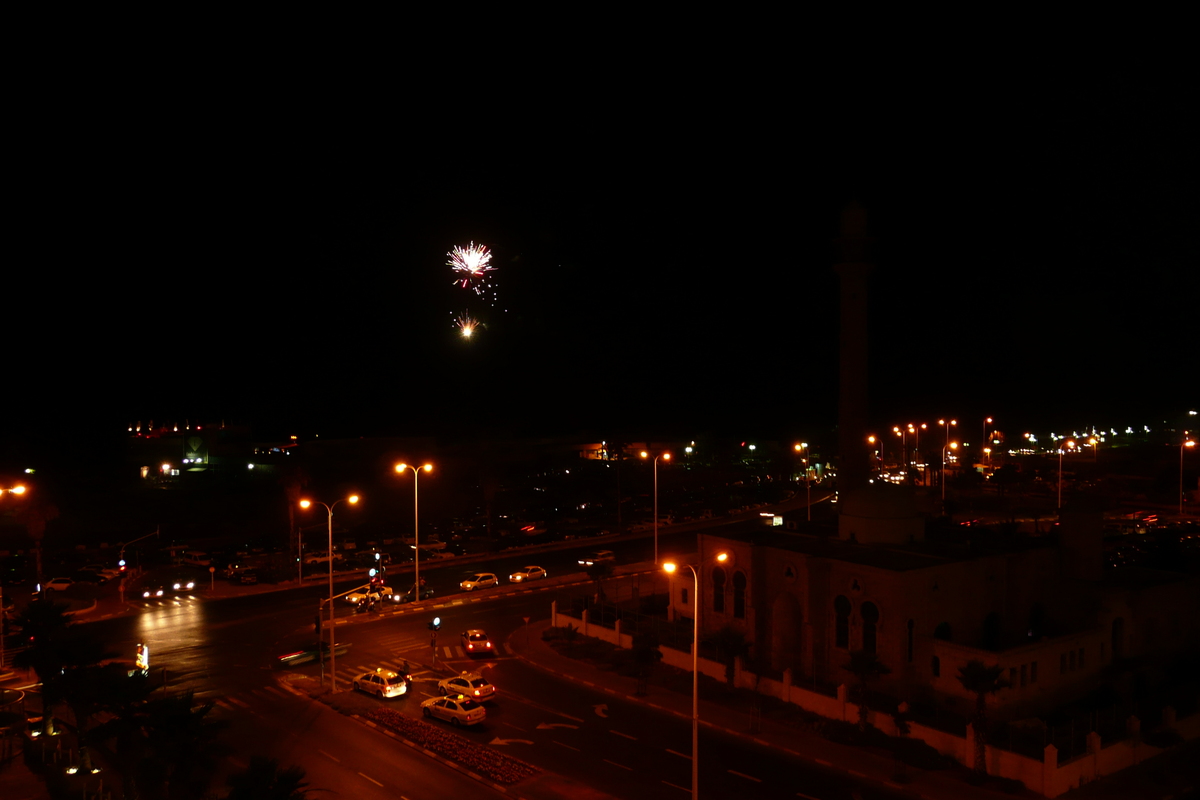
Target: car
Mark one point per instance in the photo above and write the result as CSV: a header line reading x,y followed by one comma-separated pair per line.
x,y
480,580
435,555
57,584
382,683
598,557
411,595
244,577
369,593
311,652
527,574
468,684
477,641
178,584
88,576
455,710
100,569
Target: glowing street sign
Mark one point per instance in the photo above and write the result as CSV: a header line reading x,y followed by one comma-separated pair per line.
x,y
143,657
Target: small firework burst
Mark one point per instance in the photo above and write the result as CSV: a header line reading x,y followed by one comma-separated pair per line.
x,y
471,265
467,325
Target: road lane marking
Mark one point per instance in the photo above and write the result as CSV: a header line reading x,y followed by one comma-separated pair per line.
x,y
681,755
680,788
744,775
626,735
615,764
335,758
560,744
372,780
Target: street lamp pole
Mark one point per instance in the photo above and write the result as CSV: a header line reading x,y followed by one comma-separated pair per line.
x,y
1070,444
947,424
416,471
1186,443
670,568
352,499
951,446
803,448
664,457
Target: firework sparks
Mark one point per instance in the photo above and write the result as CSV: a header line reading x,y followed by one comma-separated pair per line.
x,y
471,263
466,325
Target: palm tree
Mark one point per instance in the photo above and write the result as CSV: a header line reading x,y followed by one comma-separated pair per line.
x,y
864,666
981,680
264,780
46,624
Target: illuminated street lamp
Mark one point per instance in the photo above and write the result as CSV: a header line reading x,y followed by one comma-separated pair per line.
x,y
18,490
670,568
986,422
664,457
352,499
947,424
416,471
1069,444
903,434
803,448
949,446
1187,443
877,454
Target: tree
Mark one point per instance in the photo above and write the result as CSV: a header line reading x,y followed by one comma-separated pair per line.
x,y
981,680
865,667
264,780
46,623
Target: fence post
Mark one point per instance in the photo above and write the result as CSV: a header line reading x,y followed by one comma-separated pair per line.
x,y
1049,767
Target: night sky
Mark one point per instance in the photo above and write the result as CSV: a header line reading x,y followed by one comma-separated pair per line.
x,y
663,245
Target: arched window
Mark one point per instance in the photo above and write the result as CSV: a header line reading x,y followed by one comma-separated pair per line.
x,y
870,617
739,595
942,632
910,641
718,581
935,666
841,610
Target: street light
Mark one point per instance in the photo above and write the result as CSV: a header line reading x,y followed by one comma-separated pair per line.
x,y
670,568
896,429
19,490
664,457
986,422
803,448
947,424
1187,443
1070,444
352,499
416,471
877,454
950,446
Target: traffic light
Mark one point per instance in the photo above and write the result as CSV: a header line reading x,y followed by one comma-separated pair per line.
x,y
435,624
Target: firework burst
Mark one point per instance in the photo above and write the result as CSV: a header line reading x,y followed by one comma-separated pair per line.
x,y
467,325
471,265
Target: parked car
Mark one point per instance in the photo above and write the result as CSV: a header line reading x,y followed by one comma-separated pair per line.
x,y
57,584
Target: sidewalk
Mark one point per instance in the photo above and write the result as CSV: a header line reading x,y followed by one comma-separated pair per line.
x,y
866,764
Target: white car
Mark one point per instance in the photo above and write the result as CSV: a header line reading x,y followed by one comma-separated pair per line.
x,y
527,574
365,592
58,584
455,710
598,557
468,684
479,580
382,683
